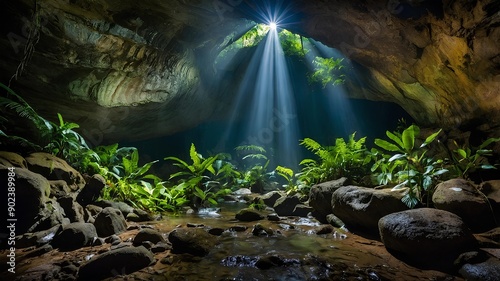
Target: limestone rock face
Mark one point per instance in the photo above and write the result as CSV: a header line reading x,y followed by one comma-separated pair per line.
x,y
439,62
114,66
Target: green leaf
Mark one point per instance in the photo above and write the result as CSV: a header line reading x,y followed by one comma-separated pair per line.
x,y
386,145
488,142
408,137
195,157
397,157
462,153
395,138
431,138
487,167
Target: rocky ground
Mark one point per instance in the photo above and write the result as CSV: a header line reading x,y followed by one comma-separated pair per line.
x,y
338,232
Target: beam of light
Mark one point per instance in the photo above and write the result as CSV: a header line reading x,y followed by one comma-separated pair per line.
x,y
272,25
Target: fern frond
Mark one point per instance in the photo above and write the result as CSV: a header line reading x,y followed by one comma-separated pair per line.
x,y
250,147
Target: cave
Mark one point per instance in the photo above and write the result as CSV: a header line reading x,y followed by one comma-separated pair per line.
x,y
250,140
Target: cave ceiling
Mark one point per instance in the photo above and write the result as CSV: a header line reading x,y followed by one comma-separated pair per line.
x,y
129,69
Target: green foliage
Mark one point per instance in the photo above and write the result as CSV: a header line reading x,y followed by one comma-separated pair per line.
x,y
128,182
466,160
344,159
256,164
409,166
327,71
196,178
292,44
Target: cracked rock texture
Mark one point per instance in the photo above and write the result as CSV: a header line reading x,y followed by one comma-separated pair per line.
x,y
129,70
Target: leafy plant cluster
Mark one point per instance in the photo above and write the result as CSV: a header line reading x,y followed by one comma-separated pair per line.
x,y
401,161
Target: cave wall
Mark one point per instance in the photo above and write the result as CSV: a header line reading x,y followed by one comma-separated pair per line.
x,y
439,60
129,70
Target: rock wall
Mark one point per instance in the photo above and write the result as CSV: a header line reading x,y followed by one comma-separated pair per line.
x,y
439,60
129,70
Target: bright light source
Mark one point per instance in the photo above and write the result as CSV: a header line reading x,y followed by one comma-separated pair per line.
x,y
272,25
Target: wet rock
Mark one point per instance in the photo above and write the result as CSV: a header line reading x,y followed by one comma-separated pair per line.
x,y
93,210
273,217
260,230
270,198
320,197
267,262
74,236
285,205
38,238
302,210
122,206
492,190
426,234
325,229
489,239
139,216
59,188
488,270
334,220
92,190
32,192
74,211
238,228
110,221
54,168
113,239
462,198
195,241
11,159
362,207
50,215
217,231
147,234
249,214
161,247
116,262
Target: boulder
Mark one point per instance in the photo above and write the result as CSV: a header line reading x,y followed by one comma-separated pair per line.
x,y
285,205
37,238
362,207
11,159
139,216
122,206
74,236
488,270
462,198
74,211
148,234
249,214
302,210
260,230
320,197
270,198
51,214
195,241
31,194
59,188
110,221
426,234
92,190
116,262
54,168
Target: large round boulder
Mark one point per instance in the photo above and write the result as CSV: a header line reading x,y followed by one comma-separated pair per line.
x,y
425,233
110,221
464,199
116,262
195,241
31,194
362,207
54,168
11,159
74,236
